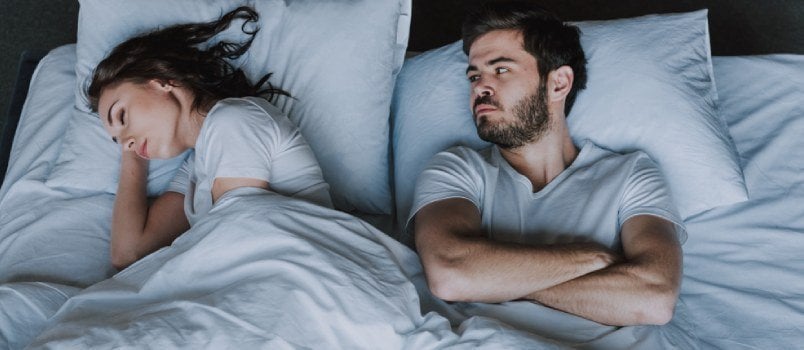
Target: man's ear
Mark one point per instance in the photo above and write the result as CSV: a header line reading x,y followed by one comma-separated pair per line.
x,y
559,83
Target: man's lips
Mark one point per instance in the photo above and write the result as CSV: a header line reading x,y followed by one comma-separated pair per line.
x,y
484,108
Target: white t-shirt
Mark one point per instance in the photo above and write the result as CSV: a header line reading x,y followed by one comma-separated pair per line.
x,y
248,137
588,201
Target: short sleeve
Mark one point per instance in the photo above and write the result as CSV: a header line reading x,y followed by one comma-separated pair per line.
x,y
181,181
297,173
450,174
646,193
239,141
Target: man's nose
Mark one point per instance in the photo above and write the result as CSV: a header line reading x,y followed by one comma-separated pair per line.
x,y
483,88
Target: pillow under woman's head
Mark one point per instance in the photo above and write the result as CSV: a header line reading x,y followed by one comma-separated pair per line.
x,y
338,59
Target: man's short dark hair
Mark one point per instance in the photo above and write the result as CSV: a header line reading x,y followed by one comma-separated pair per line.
x,y
552,42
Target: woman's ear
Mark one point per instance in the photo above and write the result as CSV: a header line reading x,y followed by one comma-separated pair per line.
x,y
162,85
559,83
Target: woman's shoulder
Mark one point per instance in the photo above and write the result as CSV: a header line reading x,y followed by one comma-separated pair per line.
x,y
247,115
245,105
247,109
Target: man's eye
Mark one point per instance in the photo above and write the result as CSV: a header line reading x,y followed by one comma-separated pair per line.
x,y
502,70
473,78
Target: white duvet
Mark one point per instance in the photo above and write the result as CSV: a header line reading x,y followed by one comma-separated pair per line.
x,y
265,271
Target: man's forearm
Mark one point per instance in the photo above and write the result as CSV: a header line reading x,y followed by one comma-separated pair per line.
x,y
462,265
620,295
641,290
481,270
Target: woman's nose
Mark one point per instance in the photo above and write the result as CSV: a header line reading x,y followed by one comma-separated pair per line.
x,y
128,144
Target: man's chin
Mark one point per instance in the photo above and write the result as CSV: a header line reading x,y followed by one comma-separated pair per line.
x,y
501,138
488,137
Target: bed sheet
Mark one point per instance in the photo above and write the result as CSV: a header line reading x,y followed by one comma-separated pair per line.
x,y
742,286
52,243
743,263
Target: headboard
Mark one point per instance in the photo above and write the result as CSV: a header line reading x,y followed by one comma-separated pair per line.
x,y
737,27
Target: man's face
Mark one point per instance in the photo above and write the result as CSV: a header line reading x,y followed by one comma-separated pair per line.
x,y
507,99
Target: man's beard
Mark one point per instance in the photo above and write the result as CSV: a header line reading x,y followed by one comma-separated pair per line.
x,y
530,122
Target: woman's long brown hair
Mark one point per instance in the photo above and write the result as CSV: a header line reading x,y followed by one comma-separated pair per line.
x,y
171,55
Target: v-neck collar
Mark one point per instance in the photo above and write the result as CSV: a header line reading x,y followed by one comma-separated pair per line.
x,y
587,148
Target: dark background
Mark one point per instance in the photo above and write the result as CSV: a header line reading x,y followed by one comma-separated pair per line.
x,y
737,27
30,24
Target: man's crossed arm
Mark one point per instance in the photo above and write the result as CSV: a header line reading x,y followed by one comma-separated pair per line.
x,y
584,279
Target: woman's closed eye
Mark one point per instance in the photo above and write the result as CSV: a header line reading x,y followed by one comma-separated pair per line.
x,y
122,123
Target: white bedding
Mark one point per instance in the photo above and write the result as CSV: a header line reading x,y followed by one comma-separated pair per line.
x,y
743,266
269,272
52,243
263,271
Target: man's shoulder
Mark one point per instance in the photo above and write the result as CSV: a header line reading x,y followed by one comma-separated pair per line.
x,y
476,157
634,169
596,156
458,164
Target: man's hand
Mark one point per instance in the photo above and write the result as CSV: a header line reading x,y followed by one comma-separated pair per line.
x,y
604,256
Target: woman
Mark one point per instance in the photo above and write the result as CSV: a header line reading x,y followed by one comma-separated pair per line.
x,y
157,96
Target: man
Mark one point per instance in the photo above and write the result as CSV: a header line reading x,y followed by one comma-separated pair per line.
x,y
536,217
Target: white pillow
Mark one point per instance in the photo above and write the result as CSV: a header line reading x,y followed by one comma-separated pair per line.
x,y
338,58
762,100
650,87
89,162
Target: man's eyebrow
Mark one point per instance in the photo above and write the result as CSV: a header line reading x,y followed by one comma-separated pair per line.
x,y
491,63
500,59
470,68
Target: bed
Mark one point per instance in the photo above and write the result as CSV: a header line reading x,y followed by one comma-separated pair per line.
x,y
265,271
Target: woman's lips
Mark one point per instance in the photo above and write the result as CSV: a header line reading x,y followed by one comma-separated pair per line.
x,y
143,151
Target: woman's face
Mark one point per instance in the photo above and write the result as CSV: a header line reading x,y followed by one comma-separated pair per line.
x,y
147,118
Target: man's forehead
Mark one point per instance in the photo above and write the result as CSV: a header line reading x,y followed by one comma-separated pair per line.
x,y
500,46
501,42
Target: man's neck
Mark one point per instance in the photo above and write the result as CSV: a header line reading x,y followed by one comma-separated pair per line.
x,y
543,160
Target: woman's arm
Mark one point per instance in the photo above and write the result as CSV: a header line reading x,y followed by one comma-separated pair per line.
x,y
222,185
137,228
